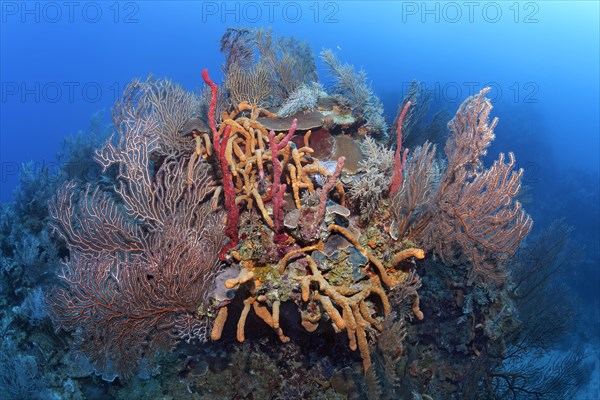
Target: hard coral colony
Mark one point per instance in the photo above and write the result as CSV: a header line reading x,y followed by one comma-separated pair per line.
x,y
212,209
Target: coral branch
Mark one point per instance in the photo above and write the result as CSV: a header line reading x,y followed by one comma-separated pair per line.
x,y
410,204
219,324
331,182
219,144
278,189
477,218
407,253
96,225
399,158
213,106
349,301
128,306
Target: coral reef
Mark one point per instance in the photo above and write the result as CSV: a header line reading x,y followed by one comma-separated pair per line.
x,y
147,263
261,241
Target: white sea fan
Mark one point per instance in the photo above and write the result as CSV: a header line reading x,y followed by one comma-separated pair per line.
x,y
304,98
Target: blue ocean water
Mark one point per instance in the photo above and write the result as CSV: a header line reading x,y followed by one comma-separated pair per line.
x,y
61,62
